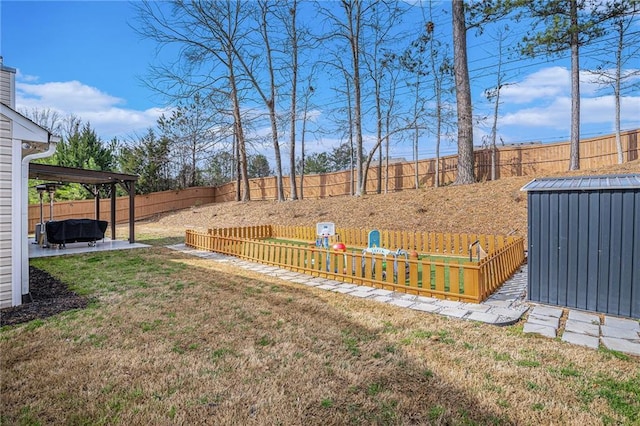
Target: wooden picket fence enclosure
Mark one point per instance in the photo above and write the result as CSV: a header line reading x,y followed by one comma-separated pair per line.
x,y
452,279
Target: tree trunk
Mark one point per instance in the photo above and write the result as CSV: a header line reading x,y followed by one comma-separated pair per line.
x,y
239,134
574,157
463,96
616,89
294,94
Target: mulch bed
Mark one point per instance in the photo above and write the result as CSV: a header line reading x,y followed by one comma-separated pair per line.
x,y
48,297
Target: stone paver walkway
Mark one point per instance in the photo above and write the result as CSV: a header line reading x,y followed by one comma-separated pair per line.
x,y
504,307
585,328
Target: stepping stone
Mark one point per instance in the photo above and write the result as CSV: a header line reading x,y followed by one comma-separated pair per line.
x,y
454,312
326,287
547,311
543,320
361,293
476,308
584,317
628,324
484,317
621,345
382,292
619,333
425,299
448,303
543,330
581,339
509,312
580,327
401,302
343,290
426,307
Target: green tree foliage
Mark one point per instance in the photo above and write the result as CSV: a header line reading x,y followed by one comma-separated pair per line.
x,y
221,168
191,130
341,157
258,166
83,149
149,160
318,162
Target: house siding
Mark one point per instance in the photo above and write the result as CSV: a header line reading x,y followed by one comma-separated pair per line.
x,y
7,82
6,209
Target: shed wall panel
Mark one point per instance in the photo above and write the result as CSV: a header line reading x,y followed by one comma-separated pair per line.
x,y
584,249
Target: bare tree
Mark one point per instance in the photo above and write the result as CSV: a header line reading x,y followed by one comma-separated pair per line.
x,y
46,118
626,48
193,130
348,29
253,64
293,43
308,92
207,37
493,94
379,36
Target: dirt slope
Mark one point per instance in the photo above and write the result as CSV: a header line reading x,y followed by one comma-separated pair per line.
x,y
497,207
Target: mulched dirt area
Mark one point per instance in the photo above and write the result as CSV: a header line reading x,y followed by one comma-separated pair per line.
x,y
48,297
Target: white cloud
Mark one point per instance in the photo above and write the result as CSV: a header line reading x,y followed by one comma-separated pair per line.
x,y
556,115
545,83
106,113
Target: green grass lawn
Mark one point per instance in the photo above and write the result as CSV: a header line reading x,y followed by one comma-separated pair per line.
x,y
173,339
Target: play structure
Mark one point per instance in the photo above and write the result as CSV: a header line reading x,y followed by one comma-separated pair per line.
x,y
324,230
375,249
364,257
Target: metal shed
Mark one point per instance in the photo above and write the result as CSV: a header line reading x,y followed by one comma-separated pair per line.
x,y
584,243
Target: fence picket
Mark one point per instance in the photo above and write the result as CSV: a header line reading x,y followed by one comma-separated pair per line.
x,y
469,281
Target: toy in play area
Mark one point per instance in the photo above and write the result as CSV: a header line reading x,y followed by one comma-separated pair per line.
x,y
324,230
374,243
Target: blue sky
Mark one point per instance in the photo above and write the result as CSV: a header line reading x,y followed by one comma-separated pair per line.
x,y
83,58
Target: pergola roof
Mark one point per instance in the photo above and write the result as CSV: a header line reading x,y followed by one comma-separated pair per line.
x,y
59,174
72,175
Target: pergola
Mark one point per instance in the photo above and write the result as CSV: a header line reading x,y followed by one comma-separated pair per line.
x,y
93,180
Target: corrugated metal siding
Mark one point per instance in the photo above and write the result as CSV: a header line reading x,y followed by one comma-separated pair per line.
x,y
6,212
584,249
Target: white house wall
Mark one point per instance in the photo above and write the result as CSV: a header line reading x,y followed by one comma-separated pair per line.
x,y
6,209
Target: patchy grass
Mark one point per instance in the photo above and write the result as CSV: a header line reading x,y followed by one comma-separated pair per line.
x,y
172,339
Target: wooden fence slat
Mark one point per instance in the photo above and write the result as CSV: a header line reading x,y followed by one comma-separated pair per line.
x,y
470,281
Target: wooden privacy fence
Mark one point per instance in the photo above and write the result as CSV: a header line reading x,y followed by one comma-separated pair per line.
x,y
452,278
533,159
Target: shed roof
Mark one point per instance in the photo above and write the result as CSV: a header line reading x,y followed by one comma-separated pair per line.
x,y
584,183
